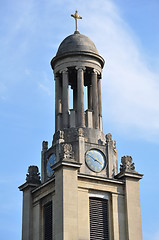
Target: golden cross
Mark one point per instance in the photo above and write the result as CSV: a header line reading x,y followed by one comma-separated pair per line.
x,y
76,17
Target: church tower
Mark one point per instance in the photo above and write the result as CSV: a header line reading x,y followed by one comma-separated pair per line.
x,y
80,194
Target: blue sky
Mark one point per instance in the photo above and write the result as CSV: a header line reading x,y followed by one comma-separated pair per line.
x,y
126,35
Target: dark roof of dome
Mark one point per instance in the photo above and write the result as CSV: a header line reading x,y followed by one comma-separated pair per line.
x,y
76,43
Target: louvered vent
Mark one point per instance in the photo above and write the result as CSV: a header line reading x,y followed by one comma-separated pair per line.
x,y
98,210
48,221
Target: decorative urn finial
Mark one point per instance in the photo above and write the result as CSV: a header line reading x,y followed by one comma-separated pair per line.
x,y
33,175
127,164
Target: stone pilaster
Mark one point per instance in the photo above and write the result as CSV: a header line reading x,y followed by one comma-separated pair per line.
x,y
81,148
112,156
36,221
95,99
58,139
32,181
115,216
132,198
66,195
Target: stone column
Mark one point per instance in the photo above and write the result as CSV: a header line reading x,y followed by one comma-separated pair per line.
x,y
100,105
75,99
95,99
65,99
80,97
99,98
57,98
90,97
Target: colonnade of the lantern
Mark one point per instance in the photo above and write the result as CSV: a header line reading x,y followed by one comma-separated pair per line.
x,y
77,117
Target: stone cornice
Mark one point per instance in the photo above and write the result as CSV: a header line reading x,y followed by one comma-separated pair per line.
x,y
66,163
99,178
28,185
127,174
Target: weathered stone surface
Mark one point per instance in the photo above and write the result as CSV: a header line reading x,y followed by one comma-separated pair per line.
x,y
76,43
111,153
66,152
76,65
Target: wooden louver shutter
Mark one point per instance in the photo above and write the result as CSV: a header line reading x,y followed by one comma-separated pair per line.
x,y
98,210
48,221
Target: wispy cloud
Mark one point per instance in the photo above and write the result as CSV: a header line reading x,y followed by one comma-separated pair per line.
x,y
130,88
156,236
45,89
45,85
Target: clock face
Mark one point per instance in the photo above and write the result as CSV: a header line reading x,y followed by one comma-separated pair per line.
x,y
51,161
95,160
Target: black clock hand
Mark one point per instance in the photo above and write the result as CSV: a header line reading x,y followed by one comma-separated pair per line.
x,y
95,159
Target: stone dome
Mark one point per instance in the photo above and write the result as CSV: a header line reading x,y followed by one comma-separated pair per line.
x,y
76,43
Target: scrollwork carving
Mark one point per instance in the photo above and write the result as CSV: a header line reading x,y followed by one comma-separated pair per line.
x,y
80,132
114,147
67,152
108,137
59,135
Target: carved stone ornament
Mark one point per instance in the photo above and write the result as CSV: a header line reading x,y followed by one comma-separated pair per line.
x,y
58,135
33,175
127,164
61,134
80,132
67,152
108,137
114,147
